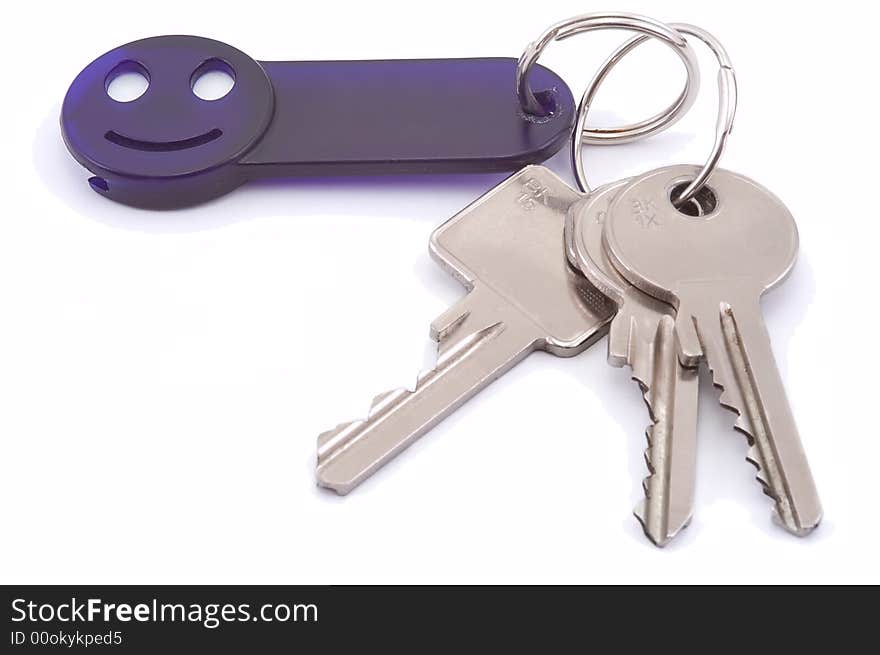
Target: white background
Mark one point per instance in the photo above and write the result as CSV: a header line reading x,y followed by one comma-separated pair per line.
x,y
163,376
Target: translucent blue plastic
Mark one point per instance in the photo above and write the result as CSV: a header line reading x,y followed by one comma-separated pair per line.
x,y
169,148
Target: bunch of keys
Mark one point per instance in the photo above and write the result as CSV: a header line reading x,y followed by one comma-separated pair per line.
x,y
671,264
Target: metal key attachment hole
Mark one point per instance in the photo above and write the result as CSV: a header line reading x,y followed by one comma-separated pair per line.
x,y
702,204
127,82
212,80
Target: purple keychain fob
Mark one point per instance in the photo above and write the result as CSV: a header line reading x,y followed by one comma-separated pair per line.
x,y
170,148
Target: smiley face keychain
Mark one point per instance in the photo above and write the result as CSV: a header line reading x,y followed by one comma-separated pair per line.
x,y
171,148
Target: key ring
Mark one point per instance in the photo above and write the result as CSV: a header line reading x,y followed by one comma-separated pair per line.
x,y
599,21
727,93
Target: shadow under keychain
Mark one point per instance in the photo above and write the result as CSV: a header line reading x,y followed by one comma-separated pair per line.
x,y
170,148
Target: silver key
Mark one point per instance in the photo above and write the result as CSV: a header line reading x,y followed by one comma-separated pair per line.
x,y
507,249
714,269
641,336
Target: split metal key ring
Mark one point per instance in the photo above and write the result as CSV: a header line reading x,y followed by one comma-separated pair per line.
x,y
727,95
604,21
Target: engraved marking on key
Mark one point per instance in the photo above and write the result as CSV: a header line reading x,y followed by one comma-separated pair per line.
x,y
523,296
641,336
534,193
714,269
645,213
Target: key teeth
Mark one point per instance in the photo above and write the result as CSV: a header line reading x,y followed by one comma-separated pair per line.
x,y
640,370
659,539
384,399
379,403
740,424
657,535
334,442
647,455
753,456
445,325
376,406
649,438
452,319
325,436
640,512
331,440
644,368
378,398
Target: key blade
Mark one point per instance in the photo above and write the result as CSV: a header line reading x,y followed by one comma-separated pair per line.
x,y
713,270
642,336
740,355
777,448
479,341
670,391
507,247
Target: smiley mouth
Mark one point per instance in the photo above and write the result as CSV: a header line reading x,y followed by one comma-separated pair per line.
x,y
162,146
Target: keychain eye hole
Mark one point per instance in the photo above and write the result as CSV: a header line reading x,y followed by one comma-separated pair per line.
x,y
212,80
127,82
702,204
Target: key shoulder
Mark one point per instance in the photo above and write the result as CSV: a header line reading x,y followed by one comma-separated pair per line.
x,y
511,242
